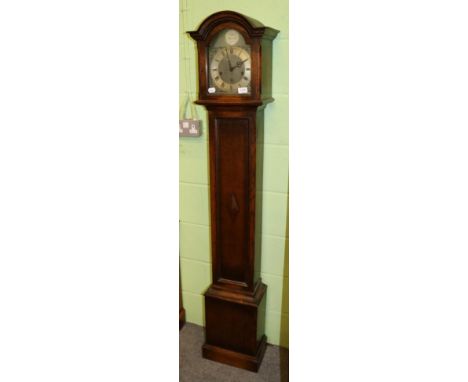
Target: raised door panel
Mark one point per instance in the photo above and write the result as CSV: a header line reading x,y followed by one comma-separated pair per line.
x,y
232,197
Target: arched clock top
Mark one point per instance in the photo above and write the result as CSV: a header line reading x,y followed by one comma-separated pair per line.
x,y
212,24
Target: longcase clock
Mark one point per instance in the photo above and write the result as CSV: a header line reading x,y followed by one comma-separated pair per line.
x,y
234,72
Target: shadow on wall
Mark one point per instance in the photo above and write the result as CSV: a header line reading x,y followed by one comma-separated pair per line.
x,y
284,328
284,321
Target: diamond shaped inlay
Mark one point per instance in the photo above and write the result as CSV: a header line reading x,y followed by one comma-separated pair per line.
x,y
234,208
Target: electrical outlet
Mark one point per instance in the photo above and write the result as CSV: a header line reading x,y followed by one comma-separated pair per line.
x,y
189,128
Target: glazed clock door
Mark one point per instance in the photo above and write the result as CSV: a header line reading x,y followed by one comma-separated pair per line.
x,y
229,64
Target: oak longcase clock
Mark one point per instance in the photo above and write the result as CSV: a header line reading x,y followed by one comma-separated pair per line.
x,y
234,73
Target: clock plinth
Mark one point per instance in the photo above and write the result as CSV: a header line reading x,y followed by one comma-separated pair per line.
x,y
235,325
235,301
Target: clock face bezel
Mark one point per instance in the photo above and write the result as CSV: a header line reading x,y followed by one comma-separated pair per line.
x,y
204,65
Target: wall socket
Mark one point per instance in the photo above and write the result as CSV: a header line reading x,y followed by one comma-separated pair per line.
x,y
189,128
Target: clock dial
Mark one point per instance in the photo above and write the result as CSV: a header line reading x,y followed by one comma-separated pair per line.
x,y
230,69
229,64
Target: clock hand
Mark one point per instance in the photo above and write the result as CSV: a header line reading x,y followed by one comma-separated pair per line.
x,y
238,65
231,68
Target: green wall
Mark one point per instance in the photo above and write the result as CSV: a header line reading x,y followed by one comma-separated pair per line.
x,y
195,256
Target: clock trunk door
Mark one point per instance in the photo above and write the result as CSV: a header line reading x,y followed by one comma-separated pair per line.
x,y
231,142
